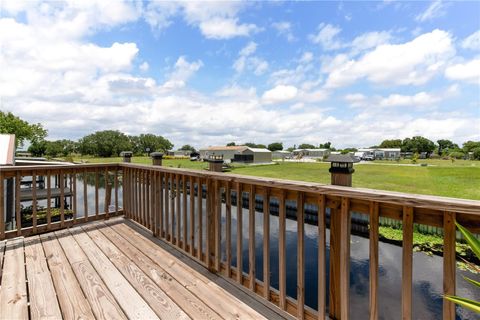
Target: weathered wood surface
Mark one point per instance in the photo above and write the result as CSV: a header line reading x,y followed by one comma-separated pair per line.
x,y
107,271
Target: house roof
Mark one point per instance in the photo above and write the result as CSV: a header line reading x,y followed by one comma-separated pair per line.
x,y
221,148
342,158
7,149
259,150
310,150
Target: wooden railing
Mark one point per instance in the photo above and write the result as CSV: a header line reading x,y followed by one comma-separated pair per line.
x,y
185,208
171,203
36,199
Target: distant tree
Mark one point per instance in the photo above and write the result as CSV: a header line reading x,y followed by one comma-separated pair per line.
x,y
54,148
140,144
326,145
394,143
188,147
290,149
261,146
306,146
11,124
275,146
418,144
470,145
38,148
348,150
254,145
104,143
231,144
445,145
476,153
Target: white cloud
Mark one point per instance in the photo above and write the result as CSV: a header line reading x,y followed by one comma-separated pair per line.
x,y
468,71
306,57
472,41
247,61
279,94
183,70
144,66
410,63
326,37
284,28
435,9
215,20
418,100
370,40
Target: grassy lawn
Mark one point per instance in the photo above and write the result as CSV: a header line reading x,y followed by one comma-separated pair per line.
x,y
460,179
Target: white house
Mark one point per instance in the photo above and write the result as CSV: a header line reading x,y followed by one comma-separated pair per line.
x,y
311,153
238,154
379,153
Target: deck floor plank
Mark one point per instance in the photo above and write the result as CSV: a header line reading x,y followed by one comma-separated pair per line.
x,y
225,304
132,303
42,295
102,302
161,303
192,305
13,293
73,303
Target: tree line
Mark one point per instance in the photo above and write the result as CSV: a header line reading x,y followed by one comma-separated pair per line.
x,y
109,143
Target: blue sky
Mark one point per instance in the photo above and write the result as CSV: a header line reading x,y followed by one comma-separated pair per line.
x,y
205,73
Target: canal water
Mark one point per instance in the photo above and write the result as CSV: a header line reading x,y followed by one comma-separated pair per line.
x,y
427,270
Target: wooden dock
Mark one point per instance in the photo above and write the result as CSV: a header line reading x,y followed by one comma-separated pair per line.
x,y
113,270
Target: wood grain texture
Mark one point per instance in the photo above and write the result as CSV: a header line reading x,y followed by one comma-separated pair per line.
x,y
184,213
34,201
42,296
251,237
199,216
282,258
449,264
13,292
321,257
192,305
18,213
407,263
132,303
73,304
101,300
239,234
2,207
160,303
210,293
266,244
373,260
300,256
345,259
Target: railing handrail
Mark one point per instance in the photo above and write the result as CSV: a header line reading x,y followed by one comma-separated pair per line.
x,y
398,198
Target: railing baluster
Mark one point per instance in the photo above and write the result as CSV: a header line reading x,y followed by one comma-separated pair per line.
x,y
34,201
449,263
74,197
228,228
178,220
96,193
2,206
407,262
217,224
151,198
160,204
345,258
172,208
282,261
251,237
239,234
184,212
210,236
321,257
115,186
108,193
18,214
374,212
85,198
167,206
61,184
144,216
300,256
200,210
266,244
192,217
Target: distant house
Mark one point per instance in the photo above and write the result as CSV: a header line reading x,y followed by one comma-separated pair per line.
x,y
311,153
379,153
238,154
281,154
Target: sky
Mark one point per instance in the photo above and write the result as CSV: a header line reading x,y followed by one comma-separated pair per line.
x,y
206,73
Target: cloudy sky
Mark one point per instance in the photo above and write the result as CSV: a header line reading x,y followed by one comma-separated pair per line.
x,y
204,73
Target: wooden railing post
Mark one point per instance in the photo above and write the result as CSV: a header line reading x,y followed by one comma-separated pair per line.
x,y
211,207
449,264
334,289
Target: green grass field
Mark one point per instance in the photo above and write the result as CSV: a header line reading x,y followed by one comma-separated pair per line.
x,y
460,179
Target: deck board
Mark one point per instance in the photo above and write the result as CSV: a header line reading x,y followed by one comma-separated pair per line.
x,y
111,270
13,295
43,301
101,300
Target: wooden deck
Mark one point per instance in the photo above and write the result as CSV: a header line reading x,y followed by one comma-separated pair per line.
x,y
113,270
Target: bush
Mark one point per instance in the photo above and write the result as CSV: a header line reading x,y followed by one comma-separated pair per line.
x,y
457,155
